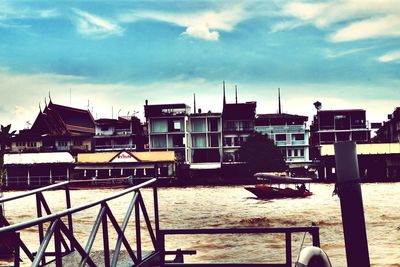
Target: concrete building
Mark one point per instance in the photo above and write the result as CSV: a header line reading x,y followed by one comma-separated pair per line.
x,y
290,134
389,132
124,133
167,128
205,140
330,126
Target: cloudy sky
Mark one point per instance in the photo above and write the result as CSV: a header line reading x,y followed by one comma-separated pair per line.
x,y
109,56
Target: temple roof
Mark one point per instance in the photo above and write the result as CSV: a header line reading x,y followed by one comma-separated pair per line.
x,y
62,120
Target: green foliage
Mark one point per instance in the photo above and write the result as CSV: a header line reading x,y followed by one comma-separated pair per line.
x,y
261,154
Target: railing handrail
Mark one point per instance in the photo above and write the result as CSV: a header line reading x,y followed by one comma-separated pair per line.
x,y
34,191
63,213
240,230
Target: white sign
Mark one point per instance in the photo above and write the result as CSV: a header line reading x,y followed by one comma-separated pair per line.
x,y
124,157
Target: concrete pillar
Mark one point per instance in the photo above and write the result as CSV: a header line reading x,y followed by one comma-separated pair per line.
x,y
349,191
29,177
50,176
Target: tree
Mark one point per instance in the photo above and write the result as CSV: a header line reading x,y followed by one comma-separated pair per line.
x,y
5,139
261,154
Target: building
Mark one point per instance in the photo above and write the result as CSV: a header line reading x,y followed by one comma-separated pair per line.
x,y
167,128
238,121
57,128
29,170
389,132
115,164
290,134
205,140
376,162
330,126
124,133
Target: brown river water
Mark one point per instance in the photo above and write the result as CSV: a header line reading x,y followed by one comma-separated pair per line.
x,y
233,206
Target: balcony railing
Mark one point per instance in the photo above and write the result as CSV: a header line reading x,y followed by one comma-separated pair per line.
x,y
114,147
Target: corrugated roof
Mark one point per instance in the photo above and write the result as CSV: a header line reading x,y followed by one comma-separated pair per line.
x,y
105,157
38,158
366,149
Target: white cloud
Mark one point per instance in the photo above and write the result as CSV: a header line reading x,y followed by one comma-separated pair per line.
x,y
348,20
202,25
201,32
91,25
391,56
329,53
388,26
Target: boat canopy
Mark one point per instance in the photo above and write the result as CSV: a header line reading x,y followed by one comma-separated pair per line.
x,y
272,178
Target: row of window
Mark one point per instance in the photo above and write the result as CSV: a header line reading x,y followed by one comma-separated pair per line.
x,y
298,152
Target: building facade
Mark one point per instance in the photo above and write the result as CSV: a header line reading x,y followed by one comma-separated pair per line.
x,y
167,128
290,134
205,140
57,128
124,133
330,126
238,122
389,132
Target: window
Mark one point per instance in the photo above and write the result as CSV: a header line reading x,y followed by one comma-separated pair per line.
x,y
77,143
213,140
199,140
198,125
298,137
280,137
31,144
159,126
301,152
20,144
227,141
177,125
62,143
159,141
213,125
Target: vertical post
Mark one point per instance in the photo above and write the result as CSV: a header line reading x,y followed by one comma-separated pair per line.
x,y
161,248
105,239
315,237
16,249
288,238
40,225
50,176
57,245
29,177
138,236
155,199
349,192
68,205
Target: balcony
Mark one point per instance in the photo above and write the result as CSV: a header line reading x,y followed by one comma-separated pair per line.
x,y
115,147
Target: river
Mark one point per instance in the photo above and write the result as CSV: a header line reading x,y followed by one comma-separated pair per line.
x,y
232,206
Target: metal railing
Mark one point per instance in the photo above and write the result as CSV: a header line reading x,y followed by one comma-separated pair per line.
x,y
288,231
62,232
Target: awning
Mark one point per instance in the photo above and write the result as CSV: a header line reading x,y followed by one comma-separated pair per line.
x,y
38,158
205,166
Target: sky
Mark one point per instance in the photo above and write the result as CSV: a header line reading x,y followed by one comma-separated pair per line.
x,y
110,56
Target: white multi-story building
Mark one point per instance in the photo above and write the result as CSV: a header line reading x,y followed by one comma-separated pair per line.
x,y
290,134
205,140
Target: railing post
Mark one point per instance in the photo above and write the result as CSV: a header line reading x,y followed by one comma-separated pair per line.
x,y
57,245
161,248
16,248
138,236
68,205
288,238
349,192
106,245
155,200
40,225
315,236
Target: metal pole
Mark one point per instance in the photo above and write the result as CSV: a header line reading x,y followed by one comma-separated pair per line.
x,y
349,191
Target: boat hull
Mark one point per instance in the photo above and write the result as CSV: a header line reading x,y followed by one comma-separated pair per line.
x,y
270,192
